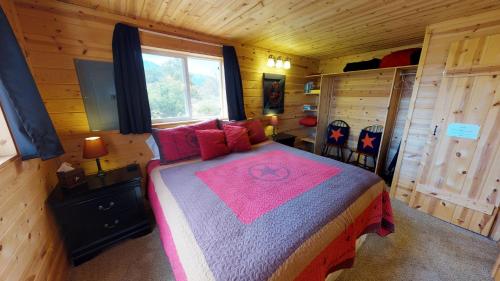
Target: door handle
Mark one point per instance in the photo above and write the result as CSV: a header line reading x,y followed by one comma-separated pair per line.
x,y
435,129
108,226
110,205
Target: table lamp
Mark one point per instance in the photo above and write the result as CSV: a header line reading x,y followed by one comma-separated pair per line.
x,y
94,147
274,123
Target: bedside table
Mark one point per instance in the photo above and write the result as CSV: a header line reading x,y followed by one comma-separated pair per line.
x,y
100,213
285,139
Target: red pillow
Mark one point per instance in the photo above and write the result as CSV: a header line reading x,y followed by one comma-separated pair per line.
x,y
180,142
237,138
212,143
309,121
255,131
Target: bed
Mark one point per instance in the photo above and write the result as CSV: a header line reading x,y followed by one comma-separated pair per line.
x,y
272,213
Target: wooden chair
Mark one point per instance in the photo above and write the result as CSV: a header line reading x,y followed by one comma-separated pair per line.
x,y
336,137
368,145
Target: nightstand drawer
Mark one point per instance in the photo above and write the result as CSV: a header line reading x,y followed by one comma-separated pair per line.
x,y
105,227
110,224
113,204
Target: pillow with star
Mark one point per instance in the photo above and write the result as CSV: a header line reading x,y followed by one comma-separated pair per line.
x,y
369,142
337,135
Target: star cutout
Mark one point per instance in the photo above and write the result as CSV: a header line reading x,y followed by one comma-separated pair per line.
x,y
336,134
268,171
367,141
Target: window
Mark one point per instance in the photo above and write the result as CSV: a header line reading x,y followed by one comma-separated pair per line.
x,y
7,147
184,87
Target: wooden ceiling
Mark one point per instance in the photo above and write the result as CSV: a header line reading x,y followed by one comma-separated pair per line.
x,y
318,29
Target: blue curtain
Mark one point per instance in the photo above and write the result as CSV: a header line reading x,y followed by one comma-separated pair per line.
x,y
24,110
130,81
234,88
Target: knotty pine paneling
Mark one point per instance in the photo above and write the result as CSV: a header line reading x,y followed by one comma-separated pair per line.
x,y
419,125
30,246
56,34
319,29
361,99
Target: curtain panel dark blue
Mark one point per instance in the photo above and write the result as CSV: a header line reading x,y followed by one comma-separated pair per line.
x,y
234,88
134,114
23,107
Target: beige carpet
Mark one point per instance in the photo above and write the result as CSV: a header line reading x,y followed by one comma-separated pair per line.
x,y
423,248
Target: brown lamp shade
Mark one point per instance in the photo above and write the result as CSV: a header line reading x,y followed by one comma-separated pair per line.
x,y
94,147
274,120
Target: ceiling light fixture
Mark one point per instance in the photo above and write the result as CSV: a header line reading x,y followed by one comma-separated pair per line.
x,y
287,63
279,63
270,61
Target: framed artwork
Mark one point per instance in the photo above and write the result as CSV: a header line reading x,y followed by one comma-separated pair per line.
x,y
274,93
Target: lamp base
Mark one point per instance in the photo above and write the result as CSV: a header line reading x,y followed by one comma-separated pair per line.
x,y
100,171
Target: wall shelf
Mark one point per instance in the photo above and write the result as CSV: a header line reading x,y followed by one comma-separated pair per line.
x,y
309,140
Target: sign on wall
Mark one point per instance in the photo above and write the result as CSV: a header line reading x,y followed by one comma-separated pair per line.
x,y
463,130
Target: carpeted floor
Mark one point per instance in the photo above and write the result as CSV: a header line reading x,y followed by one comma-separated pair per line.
x,y
423,248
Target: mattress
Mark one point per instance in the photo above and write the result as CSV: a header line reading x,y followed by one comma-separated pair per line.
x,y
273,213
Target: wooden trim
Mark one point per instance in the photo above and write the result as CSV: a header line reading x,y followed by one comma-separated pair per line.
x,y
327,84
5,160
392,110
411,109
485,208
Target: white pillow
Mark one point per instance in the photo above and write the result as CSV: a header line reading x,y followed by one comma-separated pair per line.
x,y
151,142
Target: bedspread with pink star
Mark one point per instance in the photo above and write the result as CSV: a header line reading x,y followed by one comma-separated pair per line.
x,y
256,185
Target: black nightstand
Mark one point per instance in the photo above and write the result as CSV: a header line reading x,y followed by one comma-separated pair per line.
x,y
285,139
102,212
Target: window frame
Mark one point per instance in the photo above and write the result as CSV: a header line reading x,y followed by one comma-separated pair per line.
x,y
11,151
184,56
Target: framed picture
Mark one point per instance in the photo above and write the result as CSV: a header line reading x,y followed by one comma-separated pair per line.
x,y
274,93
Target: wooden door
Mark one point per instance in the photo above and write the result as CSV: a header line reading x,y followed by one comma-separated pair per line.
x,y
459,176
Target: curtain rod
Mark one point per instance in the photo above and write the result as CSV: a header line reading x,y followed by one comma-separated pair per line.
x,y
180,37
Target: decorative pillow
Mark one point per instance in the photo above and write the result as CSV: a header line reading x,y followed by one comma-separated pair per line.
x,y
237,138
212,143
180,142
309,121
337,135
369,142
255,129
154,147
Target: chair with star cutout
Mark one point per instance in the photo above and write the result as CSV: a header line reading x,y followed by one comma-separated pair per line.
x,y
368,146
336,138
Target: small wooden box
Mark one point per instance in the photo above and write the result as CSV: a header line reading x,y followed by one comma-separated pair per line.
x,y
71,179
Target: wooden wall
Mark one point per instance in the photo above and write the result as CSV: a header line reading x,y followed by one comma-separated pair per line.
x,y
30,247
418,126
57,33
361,99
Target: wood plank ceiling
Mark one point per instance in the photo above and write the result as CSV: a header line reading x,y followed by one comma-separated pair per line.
x,y
317,29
